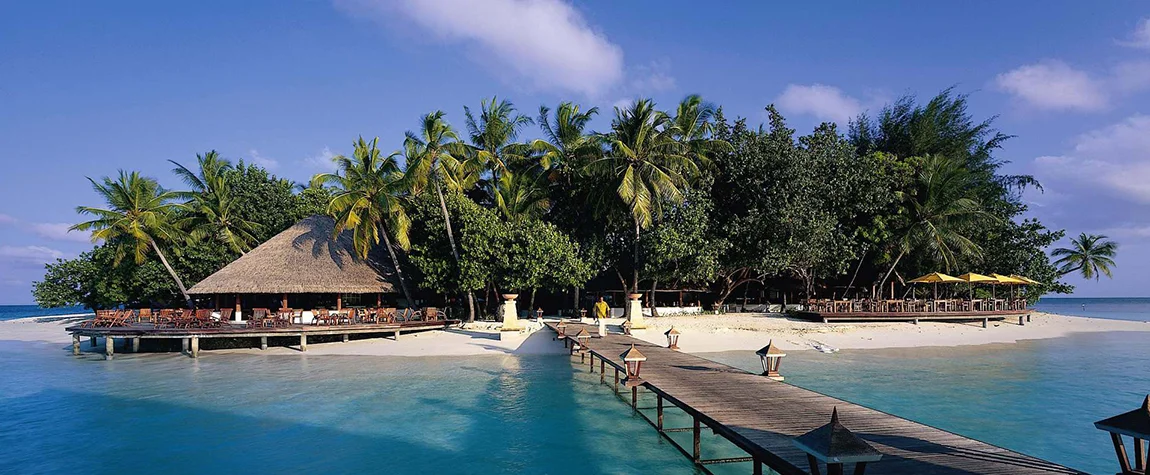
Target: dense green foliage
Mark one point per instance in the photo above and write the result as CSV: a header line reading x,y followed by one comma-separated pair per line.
x,y
680,199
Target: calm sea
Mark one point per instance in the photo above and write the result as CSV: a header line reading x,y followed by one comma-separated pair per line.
x,y
12,312
230,413
1115,308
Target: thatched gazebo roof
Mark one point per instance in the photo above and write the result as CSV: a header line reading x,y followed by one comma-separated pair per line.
x,y
304,259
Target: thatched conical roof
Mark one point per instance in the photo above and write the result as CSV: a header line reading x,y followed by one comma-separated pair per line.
x,y
303,259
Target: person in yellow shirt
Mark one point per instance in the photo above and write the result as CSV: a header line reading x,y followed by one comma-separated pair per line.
x,y
602,310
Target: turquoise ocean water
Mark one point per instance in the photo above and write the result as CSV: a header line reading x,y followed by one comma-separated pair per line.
x,y
12,312
229,413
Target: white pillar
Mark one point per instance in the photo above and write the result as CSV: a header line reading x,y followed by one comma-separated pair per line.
x,y
634,311
510,313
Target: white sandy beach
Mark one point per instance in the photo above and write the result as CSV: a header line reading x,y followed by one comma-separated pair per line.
x,y
700,334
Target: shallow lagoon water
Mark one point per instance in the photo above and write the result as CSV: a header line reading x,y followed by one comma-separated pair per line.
x,y
1039,397
166,413
231,413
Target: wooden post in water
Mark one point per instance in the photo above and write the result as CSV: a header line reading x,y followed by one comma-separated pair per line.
x,y
634,397
195,347
75,343
591,366
92,341
659,411
109,347
986,323
616,381
184,345
136,345
695,439
602,370
263,342
303,341
758,466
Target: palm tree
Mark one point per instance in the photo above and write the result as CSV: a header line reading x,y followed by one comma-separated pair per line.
x,y
431,162
694,126
210,205
369,201
644,167
139,215
1092,255
520,196
567,146
938,210
494,133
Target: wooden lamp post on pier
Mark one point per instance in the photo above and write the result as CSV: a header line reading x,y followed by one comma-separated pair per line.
x,y
1135,424
771,356
672,338
835,446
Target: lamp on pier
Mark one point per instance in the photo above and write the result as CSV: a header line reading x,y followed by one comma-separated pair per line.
x,y
583,337
771,356
672,338
835,446
634,361
561,329
1134,424
627,328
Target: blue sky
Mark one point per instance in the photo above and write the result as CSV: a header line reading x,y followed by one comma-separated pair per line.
x,y
87,88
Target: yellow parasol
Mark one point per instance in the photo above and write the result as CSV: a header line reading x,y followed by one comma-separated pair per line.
x,y
1028,280
1007,280
936,278
971,278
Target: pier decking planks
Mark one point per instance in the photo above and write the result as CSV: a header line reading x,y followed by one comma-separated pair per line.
x,y
761,416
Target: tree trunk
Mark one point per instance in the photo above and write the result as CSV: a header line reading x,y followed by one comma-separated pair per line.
x,y
179,283
575,301
531,306
398,270
635,283
889,272
856,274
651,299
454,251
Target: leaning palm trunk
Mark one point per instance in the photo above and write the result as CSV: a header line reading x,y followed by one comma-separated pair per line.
x,y
454,252
635,270
851,285
891,271
179,283
398,270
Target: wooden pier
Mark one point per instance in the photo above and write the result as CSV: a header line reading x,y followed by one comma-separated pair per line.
x,y
191,336
762,417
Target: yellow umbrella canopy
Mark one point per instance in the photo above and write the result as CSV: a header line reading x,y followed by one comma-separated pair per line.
x,y
936,278
1028,280
1007,280
977,278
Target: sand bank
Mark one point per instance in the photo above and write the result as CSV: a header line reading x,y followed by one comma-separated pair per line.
x,y
700,334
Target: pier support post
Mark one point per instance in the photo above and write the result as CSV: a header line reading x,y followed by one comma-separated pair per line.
x,y
136,345
602,370
986,323
1139,455
915,321
303,341
92,341
109,347
582,357
75,344
757,467
635,398
616,381
1021,320
263,342
591,366
695,439
659,411
185,345
345,337
195,347
1028,317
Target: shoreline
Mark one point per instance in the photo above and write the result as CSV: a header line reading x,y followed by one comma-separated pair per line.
x,y
699,334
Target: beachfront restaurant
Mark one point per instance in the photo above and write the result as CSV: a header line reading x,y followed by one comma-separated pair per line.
x,y
305,268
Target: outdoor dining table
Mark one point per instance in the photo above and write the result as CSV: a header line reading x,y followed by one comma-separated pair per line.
x,y
842,306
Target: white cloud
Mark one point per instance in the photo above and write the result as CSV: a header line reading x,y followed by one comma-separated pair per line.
x,y
824,102
652,78
1113,160
547,42
29,255
1131,76
5,219
59,232
265,162
321,161
1053,85
1127,232
1140,37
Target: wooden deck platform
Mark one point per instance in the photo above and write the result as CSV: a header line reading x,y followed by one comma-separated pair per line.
x,y
761,416
191,336
827,317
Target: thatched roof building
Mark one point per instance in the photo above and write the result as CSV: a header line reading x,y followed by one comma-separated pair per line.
x,y
304,259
